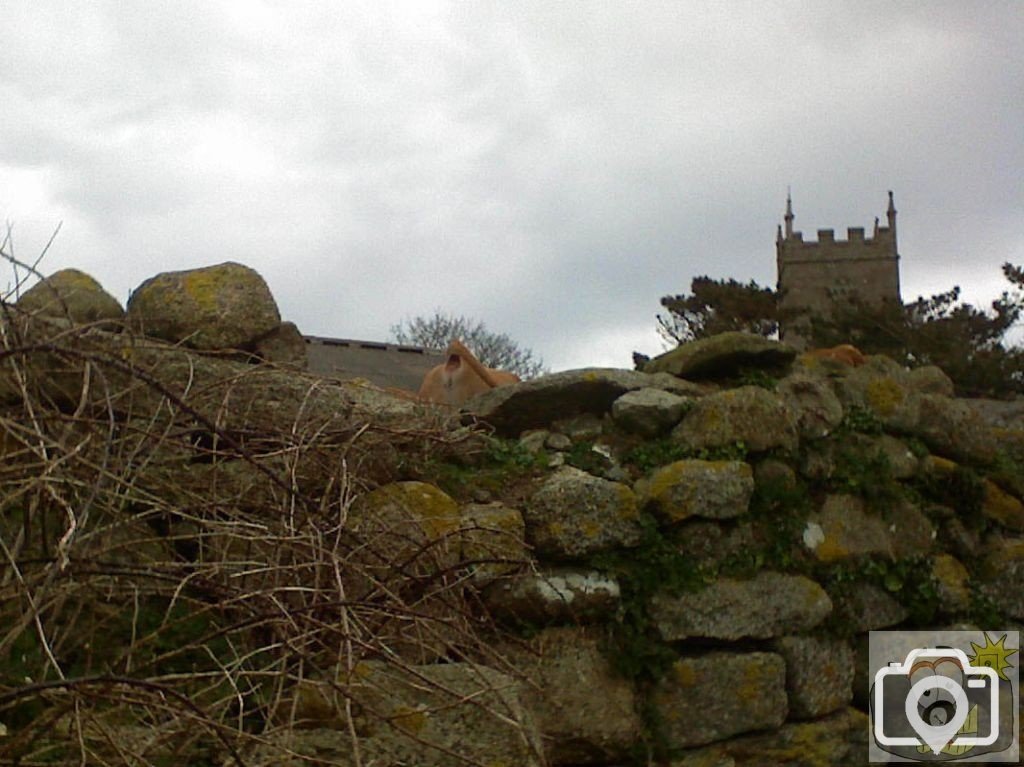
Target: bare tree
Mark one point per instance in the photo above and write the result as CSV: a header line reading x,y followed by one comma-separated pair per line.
x,y
496,350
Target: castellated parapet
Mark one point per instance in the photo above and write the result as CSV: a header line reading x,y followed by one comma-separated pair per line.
x,y
814,276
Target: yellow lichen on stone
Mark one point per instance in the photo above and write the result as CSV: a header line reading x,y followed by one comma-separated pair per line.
x,y
492,531
952,580
75,278
627,503
667,477
686,675
807,744
202,286
432,509
556,529
74,294
938,465
830,550
752,686
1005,555
314,703
884,395
662,480
1001,506
412,720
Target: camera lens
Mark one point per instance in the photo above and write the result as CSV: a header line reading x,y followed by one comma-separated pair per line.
x,y
939,713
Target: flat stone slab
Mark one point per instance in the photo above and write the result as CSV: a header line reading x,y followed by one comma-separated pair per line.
x,y
537,403
562,595
722,355
767,605
714,696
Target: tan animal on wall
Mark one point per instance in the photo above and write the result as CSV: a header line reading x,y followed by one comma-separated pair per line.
x,y
844,353
460,377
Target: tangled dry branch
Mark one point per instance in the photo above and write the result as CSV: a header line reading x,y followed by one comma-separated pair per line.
x,y
182,578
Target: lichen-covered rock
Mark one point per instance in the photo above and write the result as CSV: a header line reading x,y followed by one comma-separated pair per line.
x,y
585,712
711,489
559,442
817,409
768,605
1002,507
227,306
865,607
649,412
964,541
912,532
709,545
1001,414
405,519
951,428
902,462
1002,576
722,355
539,402
818,464
481,703
714,696
771,472
952,581
996,504
839,739
1011,448
404,535
73,295
492,531
938,466
412,715
560,595
284,345
844,528
930,380
881,387
534,440
819,675
574,514
918,403
750,415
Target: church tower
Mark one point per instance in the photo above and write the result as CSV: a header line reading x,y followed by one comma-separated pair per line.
x,y
814,276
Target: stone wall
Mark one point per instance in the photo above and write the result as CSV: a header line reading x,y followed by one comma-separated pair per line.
x,y
595,567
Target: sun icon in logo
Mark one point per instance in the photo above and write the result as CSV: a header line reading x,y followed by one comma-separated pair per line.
x,y
993,655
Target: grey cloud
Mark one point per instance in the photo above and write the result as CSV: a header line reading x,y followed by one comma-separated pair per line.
x,y
551,168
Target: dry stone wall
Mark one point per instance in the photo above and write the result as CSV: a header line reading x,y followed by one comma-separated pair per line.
x,y
655,568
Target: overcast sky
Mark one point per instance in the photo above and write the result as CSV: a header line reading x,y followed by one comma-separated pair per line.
x,y
552,168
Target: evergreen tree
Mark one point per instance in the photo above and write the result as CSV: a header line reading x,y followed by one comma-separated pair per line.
x,y
970,344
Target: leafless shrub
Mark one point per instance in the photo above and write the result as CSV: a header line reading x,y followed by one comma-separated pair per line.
x,y
178,570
